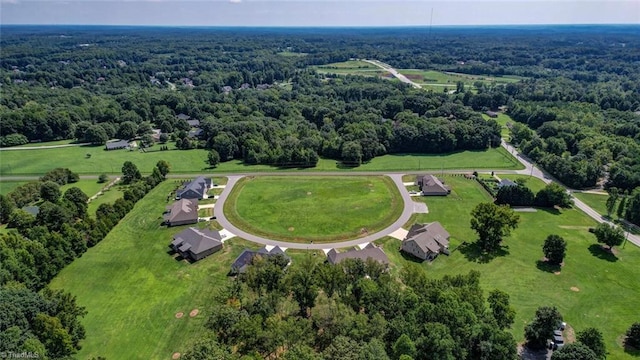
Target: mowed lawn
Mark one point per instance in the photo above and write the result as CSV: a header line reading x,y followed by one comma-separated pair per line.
x,y
132,288
7,186
318,209
88,186
37,162
595,201
502,119
593,288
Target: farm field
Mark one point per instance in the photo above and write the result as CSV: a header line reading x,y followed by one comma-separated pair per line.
x,y
582,291
441,78
320,209
33,162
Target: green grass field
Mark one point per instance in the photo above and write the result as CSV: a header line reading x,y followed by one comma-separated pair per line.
x,y
7,186
88,186
36,162
431,77
318,209
532,183
132,288
502,120
593,289
107,197
595,201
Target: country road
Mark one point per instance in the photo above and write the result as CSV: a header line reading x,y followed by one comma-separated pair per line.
x,y
530,169
42,147
393,72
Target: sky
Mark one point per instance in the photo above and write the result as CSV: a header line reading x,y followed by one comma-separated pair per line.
x,y
318,12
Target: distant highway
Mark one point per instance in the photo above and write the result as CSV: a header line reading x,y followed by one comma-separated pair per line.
x,y
393,72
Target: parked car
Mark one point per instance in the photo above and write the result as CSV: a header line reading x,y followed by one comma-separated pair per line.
x,y
558,340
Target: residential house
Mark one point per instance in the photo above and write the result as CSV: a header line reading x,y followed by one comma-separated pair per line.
x,y
182,212
118,144
432,186
245,259
194,123
491,114
195,189
506,182
196,244
195,133
33,210
182,116
370,252
426,241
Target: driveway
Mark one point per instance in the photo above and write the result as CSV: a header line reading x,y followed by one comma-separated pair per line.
x,y
228,226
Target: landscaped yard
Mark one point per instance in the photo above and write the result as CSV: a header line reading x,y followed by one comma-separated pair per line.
x,y
132,288
37,162
593,289
318,209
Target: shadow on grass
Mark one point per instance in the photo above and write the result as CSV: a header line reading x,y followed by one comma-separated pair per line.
x,y
602,253
547,266
632,351
552,211
411,258
474,253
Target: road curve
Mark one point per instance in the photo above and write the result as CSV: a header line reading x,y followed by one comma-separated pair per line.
x,y
531,169
218,212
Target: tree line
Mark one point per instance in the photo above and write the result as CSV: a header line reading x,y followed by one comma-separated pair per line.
x,y
34,318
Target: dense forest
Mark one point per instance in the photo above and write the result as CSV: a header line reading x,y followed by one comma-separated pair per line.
x,y
354,310
258,99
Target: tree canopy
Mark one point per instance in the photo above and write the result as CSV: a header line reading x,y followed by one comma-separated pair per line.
x,y
492,223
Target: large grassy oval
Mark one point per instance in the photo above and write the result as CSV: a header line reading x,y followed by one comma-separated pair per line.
x,y
313,208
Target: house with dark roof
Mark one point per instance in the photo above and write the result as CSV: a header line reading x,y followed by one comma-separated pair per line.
x,y
195,189
432,186
370,252
33,210
195,133
194,122
245,259
196,244
182,116
426,241
114,145
491,114
506,182
182,212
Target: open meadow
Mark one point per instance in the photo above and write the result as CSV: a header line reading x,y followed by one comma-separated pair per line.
x,y
592,289
37,162
502,119
318,209
133,289
595,201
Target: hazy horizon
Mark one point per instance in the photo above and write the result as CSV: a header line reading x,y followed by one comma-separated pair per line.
x,y
318,13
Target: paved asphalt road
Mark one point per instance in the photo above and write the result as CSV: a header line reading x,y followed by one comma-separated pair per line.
x,y
393,72
42,147
530,169
222,220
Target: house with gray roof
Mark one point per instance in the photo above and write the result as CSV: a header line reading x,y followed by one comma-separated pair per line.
x,y
182,116
194,122
432,186
506,182
195,133
195,244
195,189
245,259
182,212
114,145
370,252
426,241
491,114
